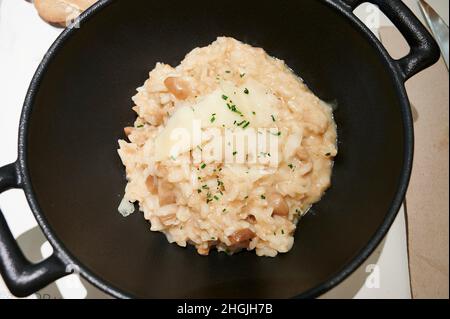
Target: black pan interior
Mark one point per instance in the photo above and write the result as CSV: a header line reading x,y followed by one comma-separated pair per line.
x,y
83,102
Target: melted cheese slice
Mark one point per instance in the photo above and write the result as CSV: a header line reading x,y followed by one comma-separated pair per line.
x,y
255,101
226,107
213,111
176,137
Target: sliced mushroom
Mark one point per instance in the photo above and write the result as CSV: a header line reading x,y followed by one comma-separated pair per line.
x,y
150,182
251,219
166,194
203,251
241,238
167,199
127,130
178,87
280,207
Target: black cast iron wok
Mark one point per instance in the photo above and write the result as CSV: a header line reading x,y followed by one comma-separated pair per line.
x,y
79,101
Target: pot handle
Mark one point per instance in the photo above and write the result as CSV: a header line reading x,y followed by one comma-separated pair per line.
x,y
424,50
22,277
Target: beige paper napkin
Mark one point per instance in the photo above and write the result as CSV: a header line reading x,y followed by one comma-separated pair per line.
x,y
427,200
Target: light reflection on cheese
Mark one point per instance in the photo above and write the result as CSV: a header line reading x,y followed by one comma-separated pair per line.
x,y
213,111
176,137
257,106
253,104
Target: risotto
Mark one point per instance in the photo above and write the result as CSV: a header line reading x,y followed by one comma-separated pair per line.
x,y
229,150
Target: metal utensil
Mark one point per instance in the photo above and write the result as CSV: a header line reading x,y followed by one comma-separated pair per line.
x,y
437,26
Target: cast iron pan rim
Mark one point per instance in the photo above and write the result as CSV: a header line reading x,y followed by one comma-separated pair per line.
x,y
64,254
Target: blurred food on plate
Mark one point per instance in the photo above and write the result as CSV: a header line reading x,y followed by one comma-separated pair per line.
x,y
61,12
